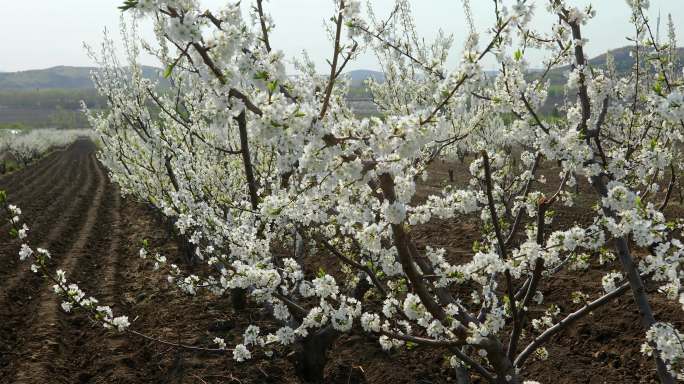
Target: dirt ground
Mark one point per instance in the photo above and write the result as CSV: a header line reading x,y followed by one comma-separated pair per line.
x,y
94,235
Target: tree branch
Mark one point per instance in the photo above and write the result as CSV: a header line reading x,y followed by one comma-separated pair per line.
x,y
566,322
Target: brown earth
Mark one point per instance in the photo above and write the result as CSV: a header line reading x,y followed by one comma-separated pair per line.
x,y
94,235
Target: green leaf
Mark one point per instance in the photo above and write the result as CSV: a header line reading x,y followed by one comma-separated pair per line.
x,y
261,75
654,143
456,275
145,243
128,4
168,70
518,55
582,135
272,85
321,272
638,202
658,88
13,233
3,197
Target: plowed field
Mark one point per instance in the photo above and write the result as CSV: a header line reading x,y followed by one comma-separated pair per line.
x,y
94,235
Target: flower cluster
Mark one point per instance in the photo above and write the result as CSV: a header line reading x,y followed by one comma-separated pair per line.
x,y
669,343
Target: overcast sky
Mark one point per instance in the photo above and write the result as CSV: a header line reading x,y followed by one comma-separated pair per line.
x,y
44,33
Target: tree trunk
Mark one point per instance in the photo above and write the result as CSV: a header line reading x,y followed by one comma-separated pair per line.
x,y
462,376
503,367
188,251
635,283
311,355
641,299
238,298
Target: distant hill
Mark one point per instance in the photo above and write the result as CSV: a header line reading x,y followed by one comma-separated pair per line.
x,y
359,76
64,77
51,97
622,58
61,77
624,61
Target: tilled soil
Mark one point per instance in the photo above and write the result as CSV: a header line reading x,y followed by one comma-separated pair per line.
x,y
94,235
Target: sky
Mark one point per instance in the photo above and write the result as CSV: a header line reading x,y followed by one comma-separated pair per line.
x,y
44,33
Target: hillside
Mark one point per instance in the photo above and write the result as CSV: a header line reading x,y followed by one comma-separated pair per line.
x,y
359,76
51,97
624,61
61,77
622,58
64,77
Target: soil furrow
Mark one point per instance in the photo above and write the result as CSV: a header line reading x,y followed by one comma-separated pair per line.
x,y
9,180
42,213
40,197
33,193
33,196
17,303
20,181
39,225
98,271
48,309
